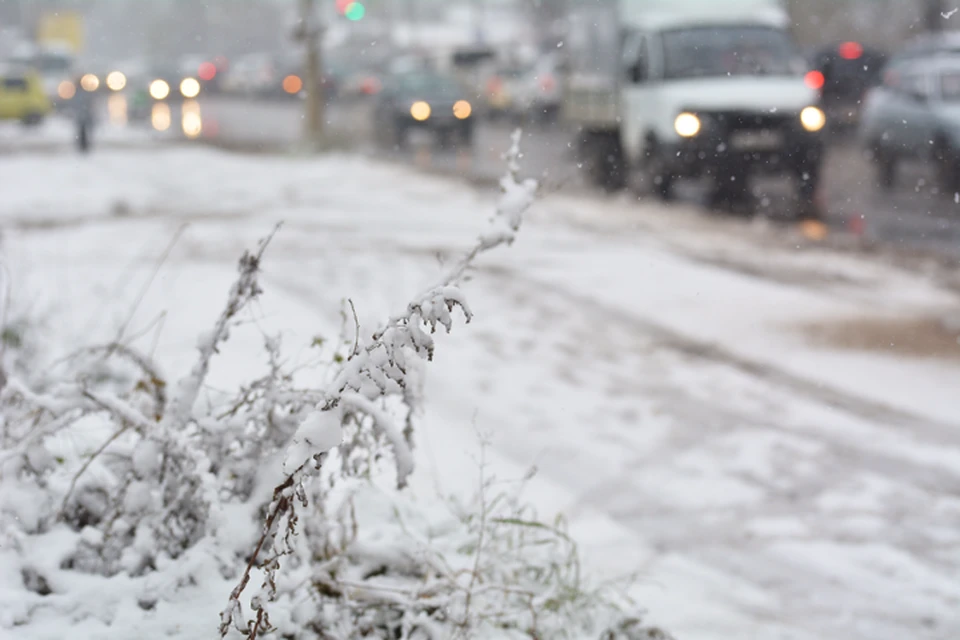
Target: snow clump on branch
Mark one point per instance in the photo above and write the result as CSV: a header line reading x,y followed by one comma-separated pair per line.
x,y
175,505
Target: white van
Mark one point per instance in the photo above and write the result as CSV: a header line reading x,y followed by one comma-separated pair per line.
x,y
668,89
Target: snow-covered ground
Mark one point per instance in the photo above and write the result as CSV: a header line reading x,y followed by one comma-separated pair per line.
x,y
767,434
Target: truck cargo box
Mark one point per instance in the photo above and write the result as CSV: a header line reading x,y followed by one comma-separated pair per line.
x,y
597,28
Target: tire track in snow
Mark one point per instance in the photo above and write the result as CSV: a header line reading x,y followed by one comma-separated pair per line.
x,y
865,408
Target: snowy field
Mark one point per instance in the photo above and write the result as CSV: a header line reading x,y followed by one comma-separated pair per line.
x,y
768,435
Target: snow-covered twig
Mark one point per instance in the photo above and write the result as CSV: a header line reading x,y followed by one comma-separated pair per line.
x,y
380,368
383,424
244,289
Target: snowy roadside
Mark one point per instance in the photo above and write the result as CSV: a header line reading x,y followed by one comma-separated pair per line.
x,y
667,380
58,134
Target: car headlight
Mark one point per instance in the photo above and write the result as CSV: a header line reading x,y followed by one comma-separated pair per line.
x,y
190,88
462,109
116,81
66,90
89,82
420,110
687,125
159,89
813,119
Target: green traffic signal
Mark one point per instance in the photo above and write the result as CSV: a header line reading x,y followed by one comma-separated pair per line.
x,y
355,11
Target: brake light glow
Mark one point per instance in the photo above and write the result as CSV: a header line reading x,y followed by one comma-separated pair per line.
x,y
207,71
814,79
370,86
850,50
547,83
292,84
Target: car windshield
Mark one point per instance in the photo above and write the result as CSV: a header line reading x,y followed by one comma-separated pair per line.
x,y
950,86
14,83
515,72
728,51
427,84
52,63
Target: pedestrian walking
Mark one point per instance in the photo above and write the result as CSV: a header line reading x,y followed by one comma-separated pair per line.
x,y
83,109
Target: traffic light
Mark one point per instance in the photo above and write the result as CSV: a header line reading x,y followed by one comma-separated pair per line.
x,y
355,11
351,9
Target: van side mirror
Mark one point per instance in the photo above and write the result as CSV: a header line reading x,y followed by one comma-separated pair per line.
x,y
637,72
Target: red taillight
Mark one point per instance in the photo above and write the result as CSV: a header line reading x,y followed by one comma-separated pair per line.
x,y
850,50
207,71
814,79
494,85
547,83
370,86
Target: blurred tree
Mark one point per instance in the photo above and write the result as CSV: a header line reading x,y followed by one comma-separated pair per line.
x,y
933,15
310,31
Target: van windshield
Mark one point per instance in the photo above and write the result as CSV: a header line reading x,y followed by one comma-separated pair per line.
x,y
728,51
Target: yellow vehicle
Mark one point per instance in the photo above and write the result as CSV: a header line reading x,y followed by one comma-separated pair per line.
x,y
22,98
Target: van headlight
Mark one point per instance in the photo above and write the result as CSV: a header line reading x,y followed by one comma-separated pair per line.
x,y
687,125
813,119
420,110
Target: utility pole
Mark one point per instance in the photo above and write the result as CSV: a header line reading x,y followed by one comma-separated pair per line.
x,y
480,11
310,32
933,15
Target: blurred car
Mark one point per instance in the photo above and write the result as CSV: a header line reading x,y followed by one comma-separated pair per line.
x,y
926,45
251,74
501,89
537,91
54,65
355,81
915,114
208,70
423,100
22,97
283,76
158,84
844,73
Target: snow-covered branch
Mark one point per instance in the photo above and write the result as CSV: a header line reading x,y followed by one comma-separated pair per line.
x,y
379,369
169,497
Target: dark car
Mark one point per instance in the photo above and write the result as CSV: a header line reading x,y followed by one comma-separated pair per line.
x,y
423,100
927,45
155,86
915,115
844,73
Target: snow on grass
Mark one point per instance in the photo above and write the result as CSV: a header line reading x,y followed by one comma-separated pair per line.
x,y
755,484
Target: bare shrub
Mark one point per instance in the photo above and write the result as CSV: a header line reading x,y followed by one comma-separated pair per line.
x,y
175,499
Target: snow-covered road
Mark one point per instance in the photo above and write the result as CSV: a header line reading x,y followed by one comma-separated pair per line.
x,y
767,434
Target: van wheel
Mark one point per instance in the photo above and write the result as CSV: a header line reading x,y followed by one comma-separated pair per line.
x,y
399,135
886,164
653,177
809,199
466,135
32,119
602,158
948,166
